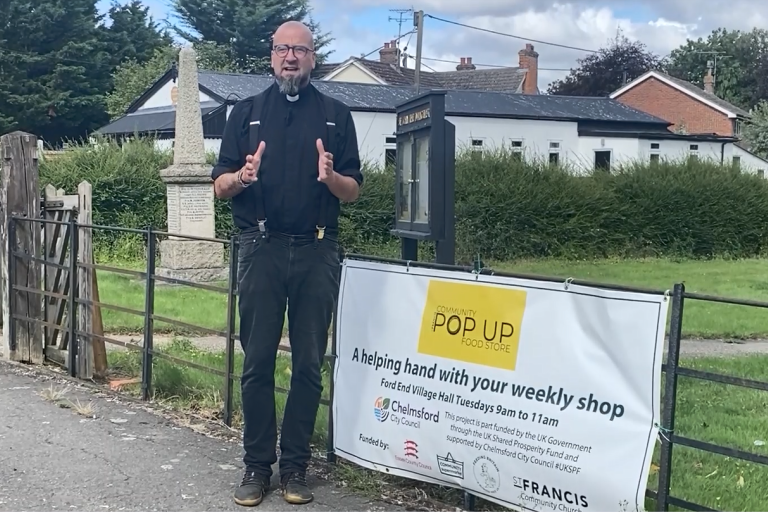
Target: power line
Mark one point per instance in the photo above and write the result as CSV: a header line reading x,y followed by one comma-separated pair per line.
x,y
511,35
382,46
489,65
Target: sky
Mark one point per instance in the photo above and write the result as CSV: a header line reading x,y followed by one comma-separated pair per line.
x,y
361,26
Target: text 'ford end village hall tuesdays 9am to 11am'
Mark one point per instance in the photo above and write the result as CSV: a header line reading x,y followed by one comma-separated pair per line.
x,y
534,395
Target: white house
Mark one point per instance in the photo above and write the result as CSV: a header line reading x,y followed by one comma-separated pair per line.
x,y
584,131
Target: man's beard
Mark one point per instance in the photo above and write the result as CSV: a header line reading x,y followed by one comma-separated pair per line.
x,y
290,85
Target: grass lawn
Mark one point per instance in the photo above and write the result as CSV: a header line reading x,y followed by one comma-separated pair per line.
x,y
716,413
744,279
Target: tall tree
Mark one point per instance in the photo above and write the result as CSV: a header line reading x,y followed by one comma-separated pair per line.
x,y
738,61
601,73
244,26
132,33
54,67
755,131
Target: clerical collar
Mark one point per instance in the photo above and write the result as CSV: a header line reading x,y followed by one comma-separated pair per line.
x,y
292,98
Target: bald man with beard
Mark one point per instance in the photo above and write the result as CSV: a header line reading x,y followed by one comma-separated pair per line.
x,y
288,157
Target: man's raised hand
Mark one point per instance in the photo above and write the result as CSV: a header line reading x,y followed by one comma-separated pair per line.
x,y
250,171
324,163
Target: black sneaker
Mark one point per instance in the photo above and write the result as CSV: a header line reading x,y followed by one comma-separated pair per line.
x,y
295,489
252,489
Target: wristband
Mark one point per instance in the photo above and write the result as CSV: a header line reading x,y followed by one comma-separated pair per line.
x,y
240,180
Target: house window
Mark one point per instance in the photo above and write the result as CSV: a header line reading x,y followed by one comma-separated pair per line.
x,y
390,152
477,145
602,160
554,153
737,162
517,149
390,157
693,152
655,157
736,127
761,173
655,146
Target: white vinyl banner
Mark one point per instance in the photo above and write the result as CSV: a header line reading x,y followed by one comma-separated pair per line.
x,y
532,394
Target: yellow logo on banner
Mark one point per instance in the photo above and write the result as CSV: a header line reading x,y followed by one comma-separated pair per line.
x,y
473,323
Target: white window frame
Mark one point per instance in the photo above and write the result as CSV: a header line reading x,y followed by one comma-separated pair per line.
x,y
389,145
554,147
477,148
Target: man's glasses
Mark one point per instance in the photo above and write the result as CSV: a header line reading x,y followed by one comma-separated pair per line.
x,y
281,50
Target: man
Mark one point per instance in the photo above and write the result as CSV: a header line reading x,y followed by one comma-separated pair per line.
x,y
288,157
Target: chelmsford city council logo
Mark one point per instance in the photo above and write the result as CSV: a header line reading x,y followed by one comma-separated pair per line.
x,y
381,409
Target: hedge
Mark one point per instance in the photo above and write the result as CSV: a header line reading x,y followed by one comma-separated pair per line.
x,y
505,209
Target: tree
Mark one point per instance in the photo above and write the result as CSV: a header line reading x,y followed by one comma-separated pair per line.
x,y
601,73
755,130
244,26
132,78
739,61
133,34
54,67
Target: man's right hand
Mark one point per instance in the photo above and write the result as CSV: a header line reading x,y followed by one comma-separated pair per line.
x,y
250,170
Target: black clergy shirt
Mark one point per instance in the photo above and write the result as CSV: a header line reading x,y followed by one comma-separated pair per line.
x,y
289,165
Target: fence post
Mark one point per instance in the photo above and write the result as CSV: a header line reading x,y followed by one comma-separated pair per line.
x,y
85,284
73,281
20,196
234,249
149,321
330,453
670,398
9,299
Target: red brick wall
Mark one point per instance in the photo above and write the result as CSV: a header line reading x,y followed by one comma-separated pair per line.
x,y
661,100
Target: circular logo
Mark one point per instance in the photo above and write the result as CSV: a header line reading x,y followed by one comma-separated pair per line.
x,y
487,474
381,408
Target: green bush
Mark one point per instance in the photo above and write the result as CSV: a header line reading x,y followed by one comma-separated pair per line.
x,y
505,209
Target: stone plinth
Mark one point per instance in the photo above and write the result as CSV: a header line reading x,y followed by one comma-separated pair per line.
x,y
192,260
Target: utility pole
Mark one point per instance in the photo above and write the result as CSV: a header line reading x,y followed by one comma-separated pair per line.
x,y
418,22
400,19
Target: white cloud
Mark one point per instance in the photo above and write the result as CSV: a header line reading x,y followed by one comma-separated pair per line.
x,y
661,24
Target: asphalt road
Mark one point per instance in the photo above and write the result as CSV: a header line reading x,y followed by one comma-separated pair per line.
x,y
126,458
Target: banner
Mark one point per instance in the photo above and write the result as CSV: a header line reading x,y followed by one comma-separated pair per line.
x,y
535,395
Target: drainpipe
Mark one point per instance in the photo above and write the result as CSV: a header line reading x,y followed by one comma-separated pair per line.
x,y
722,152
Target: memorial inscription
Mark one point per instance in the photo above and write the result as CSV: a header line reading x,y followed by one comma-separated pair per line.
x,y
191,210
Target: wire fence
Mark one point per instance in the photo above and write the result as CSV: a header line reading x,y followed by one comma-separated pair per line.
x,y
672,370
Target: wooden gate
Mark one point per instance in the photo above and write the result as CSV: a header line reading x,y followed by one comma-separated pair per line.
x,y
62,208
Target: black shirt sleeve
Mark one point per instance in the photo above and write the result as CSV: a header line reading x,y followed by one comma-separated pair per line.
x,y
231,152
348,162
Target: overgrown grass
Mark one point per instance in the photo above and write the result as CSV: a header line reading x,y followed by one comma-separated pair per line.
x,y
202,392
732,278
716,413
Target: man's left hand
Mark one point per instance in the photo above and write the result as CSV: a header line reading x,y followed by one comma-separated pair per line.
x,y
325,172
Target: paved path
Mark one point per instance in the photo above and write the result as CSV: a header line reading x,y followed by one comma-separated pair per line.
x,y
125,458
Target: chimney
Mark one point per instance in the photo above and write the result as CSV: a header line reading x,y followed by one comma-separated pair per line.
x,y
529,59
466,65
389,54
709,82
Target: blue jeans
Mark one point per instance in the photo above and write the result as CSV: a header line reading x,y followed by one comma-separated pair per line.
x,y
303,274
